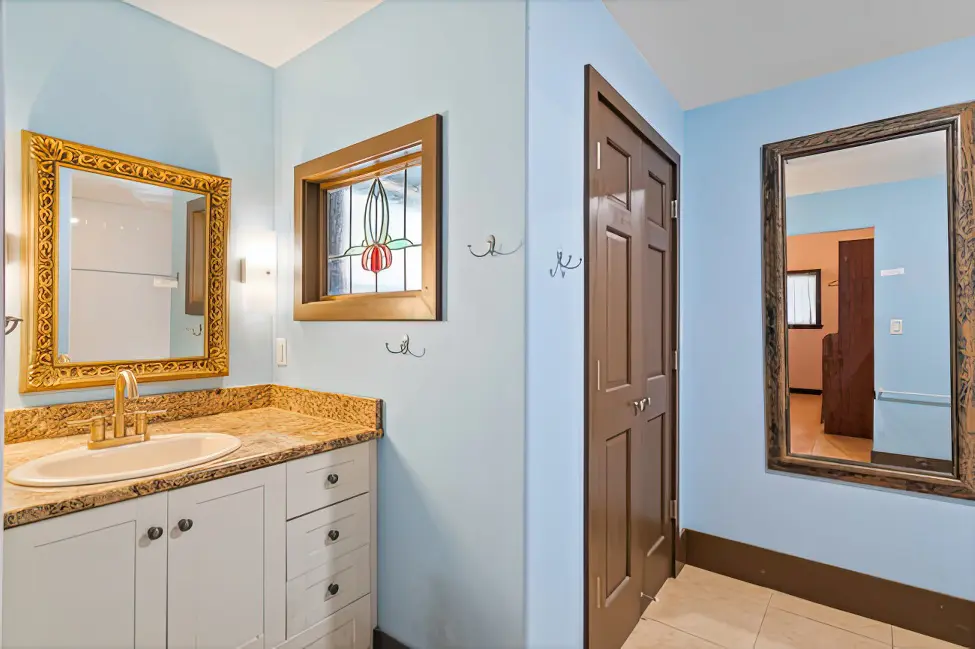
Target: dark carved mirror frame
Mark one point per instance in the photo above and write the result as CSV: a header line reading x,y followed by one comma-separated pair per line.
x,y
958,122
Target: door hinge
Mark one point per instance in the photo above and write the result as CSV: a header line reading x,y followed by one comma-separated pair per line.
x,y
599,156
673,509
676,359
599,599
599,378
673,209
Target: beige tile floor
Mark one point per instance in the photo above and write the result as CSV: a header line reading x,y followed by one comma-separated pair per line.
x,y
703,610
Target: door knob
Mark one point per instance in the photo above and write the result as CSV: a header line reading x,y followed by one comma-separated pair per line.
x,y
184,524
154,533
333,589
639,405
332,478
333,535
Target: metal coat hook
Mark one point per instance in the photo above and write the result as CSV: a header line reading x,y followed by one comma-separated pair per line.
x,y
10,323
563,265
197,330
492,249
404,349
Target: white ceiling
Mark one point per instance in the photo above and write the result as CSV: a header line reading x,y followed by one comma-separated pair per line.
x,y
917,156
706,51
271,31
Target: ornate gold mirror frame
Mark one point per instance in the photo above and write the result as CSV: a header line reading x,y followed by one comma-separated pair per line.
x,y
958,123
43,156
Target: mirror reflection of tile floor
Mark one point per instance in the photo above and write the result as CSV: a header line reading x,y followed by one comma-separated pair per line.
x,y
703,610
808,438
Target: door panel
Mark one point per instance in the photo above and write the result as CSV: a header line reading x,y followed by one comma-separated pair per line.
x,y
617,289
227,572
630,350
93,580
617,512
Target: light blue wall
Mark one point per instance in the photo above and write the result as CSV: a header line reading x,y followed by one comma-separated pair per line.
x,y
451,467
563,38
726,488
911,232
108,74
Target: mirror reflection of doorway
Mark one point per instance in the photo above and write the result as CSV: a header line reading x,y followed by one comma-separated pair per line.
x,y
831,343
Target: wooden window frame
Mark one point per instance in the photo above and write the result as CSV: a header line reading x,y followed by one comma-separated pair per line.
x,y
958,123
819,297
343,167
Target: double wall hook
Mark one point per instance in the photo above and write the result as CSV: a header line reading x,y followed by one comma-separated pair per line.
x,y
404,349
197,330
492,249
564,265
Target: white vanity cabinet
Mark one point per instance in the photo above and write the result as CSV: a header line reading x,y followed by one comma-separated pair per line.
x,y
278,558
91,580
226,562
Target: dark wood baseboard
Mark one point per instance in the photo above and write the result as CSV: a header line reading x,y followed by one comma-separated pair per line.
x,y
922,611
911,462
382,640
805,391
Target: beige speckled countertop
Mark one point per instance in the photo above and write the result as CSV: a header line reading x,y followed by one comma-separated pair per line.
x,y
268,436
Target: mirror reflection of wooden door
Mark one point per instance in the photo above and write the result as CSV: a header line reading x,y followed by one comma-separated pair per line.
x,y
848,368
630,355
196,237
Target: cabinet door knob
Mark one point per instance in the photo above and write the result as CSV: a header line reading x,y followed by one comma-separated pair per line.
x,y
154,533
184,524
333,535
333,478
333,589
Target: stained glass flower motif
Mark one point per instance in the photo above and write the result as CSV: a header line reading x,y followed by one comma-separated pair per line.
x,y
379,222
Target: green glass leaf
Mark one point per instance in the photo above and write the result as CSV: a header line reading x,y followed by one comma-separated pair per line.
x,y
351,252
399,244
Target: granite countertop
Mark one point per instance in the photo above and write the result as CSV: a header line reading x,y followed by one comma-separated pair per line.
x,y
268,436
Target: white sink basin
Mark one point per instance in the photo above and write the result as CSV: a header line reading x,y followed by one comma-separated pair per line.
x,y
160,454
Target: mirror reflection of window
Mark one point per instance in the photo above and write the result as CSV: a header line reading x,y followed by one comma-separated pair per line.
x,y
122,271
803,299
868,341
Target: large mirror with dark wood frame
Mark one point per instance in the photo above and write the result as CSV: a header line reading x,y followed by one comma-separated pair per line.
x,y
869,299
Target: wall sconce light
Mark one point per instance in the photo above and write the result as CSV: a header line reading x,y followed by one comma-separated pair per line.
x,y
257,271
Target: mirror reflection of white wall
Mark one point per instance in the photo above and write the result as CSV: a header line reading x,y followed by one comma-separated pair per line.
x,y
121,268
883,206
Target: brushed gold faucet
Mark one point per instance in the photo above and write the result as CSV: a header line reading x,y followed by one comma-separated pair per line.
x,y
124,382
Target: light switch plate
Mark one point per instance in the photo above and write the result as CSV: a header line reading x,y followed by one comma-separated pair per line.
x,y
281,351
896,327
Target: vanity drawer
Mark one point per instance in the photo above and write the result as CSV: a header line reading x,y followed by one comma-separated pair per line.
x,y
348,628
321,480
327,534
315,595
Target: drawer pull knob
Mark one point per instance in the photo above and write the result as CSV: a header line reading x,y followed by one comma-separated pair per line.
x,y
333,589
333,535
154,533
184,524
333,478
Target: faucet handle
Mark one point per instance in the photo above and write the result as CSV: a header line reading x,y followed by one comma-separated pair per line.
x,y
95,424
142,421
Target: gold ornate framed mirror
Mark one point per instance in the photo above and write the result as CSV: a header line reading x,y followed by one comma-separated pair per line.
x,y
868,304
121,270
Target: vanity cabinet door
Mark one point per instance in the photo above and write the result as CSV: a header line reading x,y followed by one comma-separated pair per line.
x,y
93,579
227,562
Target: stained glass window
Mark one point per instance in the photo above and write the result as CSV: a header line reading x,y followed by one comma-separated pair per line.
x,y
374,233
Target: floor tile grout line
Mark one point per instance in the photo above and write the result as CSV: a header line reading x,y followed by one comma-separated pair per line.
x,y
833,626
768,605
686,632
